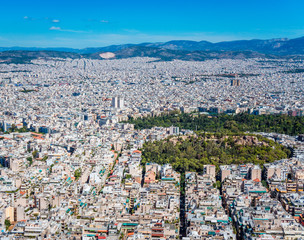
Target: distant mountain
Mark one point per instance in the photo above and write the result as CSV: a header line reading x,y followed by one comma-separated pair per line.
x,y
21,56
112,48
4,49
280,46
182,45
177,49
168,54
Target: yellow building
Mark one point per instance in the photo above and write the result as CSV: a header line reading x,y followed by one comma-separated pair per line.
x,y
10,214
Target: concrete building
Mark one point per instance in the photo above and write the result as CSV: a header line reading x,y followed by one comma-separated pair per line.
x,y
118,102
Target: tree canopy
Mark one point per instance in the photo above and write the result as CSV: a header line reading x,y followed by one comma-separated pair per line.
x,y
223,122
192,153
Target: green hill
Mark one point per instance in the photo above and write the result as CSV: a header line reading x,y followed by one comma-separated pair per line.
x,y
192,152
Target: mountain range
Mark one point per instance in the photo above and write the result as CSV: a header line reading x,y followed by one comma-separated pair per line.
x,y
177,49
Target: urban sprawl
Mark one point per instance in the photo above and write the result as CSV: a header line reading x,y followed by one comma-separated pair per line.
x,y
71,166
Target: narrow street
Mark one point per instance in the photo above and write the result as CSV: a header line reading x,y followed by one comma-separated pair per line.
x,y
183,223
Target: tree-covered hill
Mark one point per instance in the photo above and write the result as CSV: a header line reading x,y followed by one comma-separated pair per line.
x,y
192,153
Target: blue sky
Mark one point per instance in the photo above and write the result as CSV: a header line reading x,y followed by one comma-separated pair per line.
x,y
94,23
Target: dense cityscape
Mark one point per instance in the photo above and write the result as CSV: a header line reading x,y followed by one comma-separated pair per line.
x,y
72,167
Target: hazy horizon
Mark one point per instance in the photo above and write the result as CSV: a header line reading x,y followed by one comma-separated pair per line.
x,y
47,47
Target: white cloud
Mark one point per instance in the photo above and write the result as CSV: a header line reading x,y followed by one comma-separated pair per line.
x,y
27,18
55,28
104,21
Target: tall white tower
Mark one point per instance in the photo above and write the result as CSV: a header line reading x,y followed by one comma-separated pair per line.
x,y
118,102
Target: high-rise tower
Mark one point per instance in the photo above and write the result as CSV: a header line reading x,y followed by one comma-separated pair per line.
x,y
118,102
